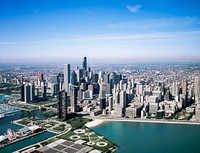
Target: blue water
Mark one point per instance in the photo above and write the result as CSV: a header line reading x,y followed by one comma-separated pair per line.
x,y
22,114
2,97
152,137
5,123
13,127
26,142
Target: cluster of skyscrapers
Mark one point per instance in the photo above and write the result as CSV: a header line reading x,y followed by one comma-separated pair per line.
x,y
118,92
118,95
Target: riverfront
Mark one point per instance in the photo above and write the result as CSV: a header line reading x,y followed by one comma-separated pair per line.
x,y
27,142
5,123
151,137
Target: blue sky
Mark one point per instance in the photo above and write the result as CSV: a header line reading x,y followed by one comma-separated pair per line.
x,y
102,30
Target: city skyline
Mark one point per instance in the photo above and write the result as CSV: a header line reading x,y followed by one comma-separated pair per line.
x,y
112,31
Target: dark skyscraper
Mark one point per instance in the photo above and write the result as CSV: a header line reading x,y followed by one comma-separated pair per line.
x,y
62,105
27,97
22,92
85,63
84,66
74,78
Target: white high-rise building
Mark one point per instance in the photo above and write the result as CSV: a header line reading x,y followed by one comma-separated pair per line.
x,y
197,89
175,89
66,77
123,99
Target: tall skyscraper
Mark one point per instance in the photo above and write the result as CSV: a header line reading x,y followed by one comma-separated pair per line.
x,y
32,92
44,91
22,92
184,87
197,89
67,76
62,104
27,97
84,63
74,78
110,103
175,89
73,98
123,99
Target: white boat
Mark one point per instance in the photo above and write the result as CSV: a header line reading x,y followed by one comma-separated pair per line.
x,y
2,116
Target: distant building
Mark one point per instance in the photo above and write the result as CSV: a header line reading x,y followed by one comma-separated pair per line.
x,y
139,89
175,89
55,79
54,88
40,76
73,98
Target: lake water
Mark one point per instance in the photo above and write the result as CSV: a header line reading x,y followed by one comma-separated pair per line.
x,y
151,137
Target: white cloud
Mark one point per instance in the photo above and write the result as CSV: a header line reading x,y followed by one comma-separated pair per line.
x,y
160,23
135,38
133,9
8,43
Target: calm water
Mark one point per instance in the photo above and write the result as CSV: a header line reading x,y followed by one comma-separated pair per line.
x,y
22,114
26,142
2,97
152,137
5,124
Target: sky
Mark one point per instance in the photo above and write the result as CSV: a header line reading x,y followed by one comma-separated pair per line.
x,y
115,31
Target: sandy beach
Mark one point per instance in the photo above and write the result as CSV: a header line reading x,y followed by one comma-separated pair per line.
x,y
99,121
94,123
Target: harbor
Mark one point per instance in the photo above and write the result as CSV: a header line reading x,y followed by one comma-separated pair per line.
x,y
8,123
6,110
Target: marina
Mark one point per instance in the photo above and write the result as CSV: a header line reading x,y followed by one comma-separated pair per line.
x,y
7,123
6,110
3,97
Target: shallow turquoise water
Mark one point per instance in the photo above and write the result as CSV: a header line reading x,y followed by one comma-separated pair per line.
x,y
151,137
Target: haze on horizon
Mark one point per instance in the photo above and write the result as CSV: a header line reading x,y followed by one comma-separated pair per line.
x,y
112,31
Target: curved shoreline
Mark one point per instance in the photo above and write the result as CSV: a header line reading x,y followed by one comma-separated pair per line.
x,y
100,121
94,123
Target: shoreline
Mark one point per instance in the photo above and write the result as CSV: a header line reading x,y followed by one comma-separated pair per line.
x,y
94,123
100,121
